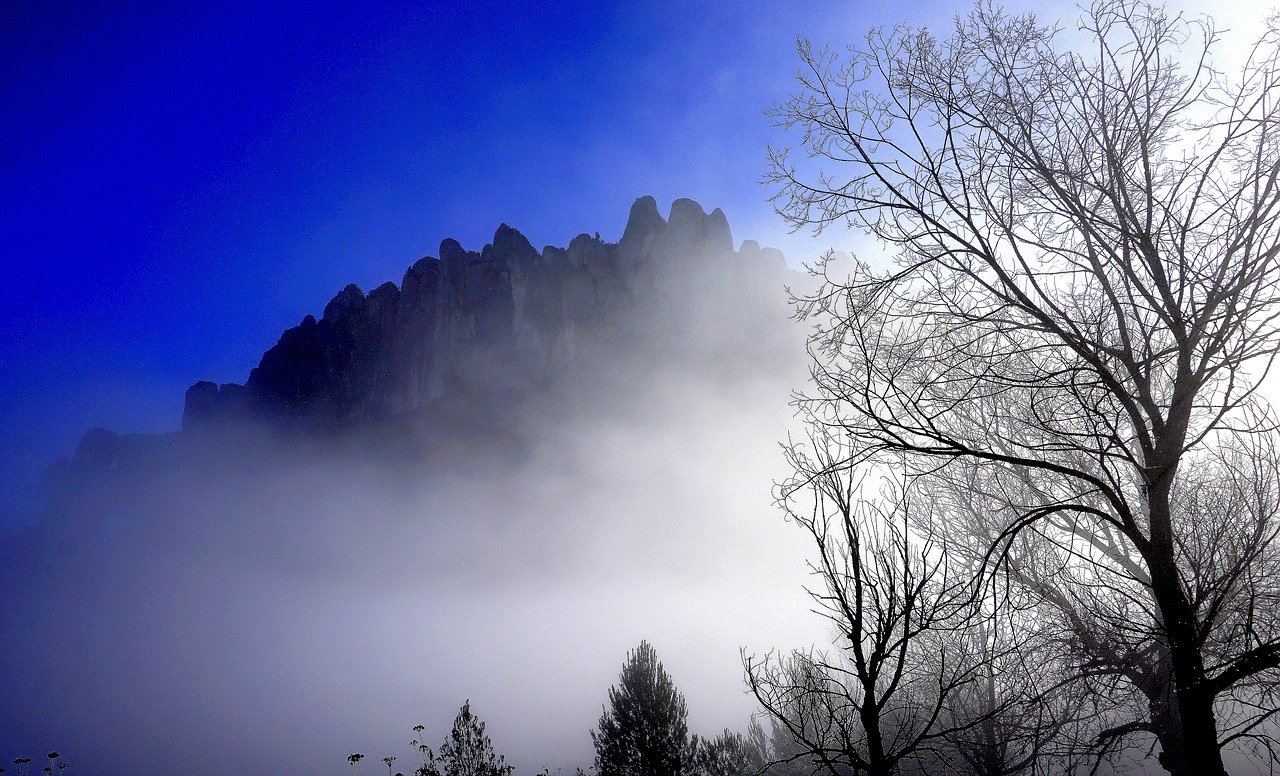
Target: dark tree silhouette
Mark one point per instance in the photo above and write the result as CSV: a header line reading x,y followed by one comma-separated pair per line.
x,y
1068,351
466,752
882,701
643,730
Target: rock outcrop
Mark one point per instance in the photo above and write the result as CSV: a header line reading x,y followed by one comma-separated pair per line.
x,y
506,318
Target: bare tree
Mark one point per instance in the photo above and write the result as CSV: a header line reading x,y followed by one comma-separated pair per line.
x,y
1023,712
882,701
1083,305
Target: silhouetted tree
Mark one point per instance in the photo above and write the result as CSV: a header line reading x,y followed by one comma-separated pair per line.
x,y
1086,297
466,752
643,731
880,702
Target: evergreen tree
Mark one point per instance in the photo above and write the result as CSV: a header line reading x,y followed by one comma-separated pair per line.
x,y
643,732
467,751
731,754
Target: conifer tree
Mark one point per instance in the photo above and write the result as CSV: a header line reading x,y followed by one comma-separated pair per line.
x,y
643,732
467,751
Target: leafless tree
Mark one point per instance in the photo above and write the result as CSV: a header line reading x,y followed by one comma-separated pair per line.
x,y
1020,714
925,662
1083,305
884,700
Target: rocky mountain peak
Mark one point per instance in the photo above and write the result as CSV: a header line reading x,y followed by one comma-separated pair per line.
x,y
644,224
508,315
510,246
349,300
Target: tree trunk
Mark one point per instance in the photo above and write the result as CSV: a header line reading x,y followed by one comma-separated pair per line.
x,y
1188,732
878,764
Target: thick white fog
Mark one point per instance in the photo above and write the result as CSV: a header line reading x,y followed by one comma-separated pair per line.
x,y
275,606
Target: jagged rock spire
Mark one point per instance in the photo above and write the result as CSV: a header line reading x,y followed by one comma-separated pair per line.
x,y
470,321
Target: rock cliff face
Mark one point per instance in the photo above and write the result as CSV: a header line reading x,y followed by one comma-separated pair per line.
x,y
505,319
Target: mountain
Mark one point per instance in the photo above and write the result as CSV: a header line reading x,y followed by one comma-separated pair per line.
x,y
468,336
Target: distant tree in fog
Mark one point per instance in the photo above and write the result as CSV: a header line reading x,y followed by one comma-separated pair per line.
x,y
466,752
731,754
643,731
